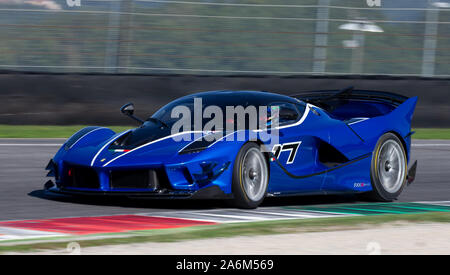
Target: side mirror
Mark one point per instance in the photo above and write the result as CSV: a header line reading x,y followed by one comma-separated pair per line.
x,y
127,109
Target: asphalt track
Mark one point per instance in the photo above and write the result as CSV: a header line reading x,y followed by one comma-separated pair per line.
x,y
22,176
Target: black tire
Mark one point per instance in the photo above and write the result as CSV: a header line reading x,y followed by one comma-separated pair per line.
x,y
241,175
381,169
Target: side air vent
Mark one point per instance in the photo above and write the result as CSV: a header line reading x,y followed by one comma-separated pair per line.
x,y
330,156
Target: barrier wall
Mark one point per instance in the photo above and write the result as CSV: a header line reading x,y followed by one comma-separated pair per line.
x,y
95,99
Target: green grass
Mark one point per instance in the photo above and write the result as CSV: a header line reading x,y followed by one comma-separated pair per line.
x,y
239,229
47,131
431,133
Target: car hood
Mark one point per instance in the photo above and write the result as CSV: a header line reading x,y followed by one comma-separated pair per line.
x,y
148,132
146,146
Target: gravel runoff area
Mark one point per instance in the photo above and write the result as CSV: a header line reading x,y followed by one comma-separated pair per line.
x,y
397,238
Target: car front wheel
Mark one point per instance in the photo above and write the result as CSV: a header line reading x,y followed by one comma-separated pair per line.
x,y
250,177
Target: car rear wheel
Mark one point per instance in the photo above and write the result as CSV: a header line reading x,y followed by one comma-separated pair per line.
x,y
388,168
250,177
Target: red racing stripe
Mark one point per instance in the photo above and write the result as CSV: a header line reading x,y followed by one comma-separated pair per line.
x,y
102,224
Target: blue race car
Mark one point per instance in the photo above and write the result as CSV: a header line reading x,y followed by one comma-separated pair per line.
x,y
327,142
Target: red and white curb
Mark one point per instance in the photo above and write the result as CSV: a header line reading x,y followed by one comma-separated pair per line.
x,y
44,228
8,234
239,215
82,226
77,226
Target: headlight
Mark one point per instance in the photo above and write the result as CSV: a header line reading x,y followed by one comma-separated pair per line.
x,y
201,144
196,146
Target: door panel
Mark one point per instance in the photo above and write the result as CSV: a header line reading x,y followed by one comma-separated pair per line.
x,y
306,174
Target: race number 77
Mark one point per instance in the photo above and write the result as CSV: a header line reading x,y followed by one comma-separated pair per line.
x,y
291,147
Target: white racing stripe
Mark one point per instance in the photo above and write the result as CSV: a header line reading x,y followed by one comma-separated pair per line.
x,y
99,128
106,144
302,119
184,147
149,143
60,144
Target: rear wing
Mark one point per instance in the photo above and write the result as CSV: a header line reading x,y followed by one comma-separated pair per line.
x,y
324,98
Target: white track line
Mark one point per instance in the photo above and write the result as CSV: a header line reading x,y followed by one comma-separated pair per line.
x,y
293,214
30,144
431,145
441,203
233,216
11,233
194,218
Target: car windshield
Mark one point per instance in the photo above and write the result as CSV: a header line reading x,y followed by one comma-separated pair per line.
x,y
164,115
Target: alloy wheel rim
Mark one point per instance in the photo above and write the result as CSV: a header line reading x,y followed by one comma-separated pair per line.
x,y
391,166
254,174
